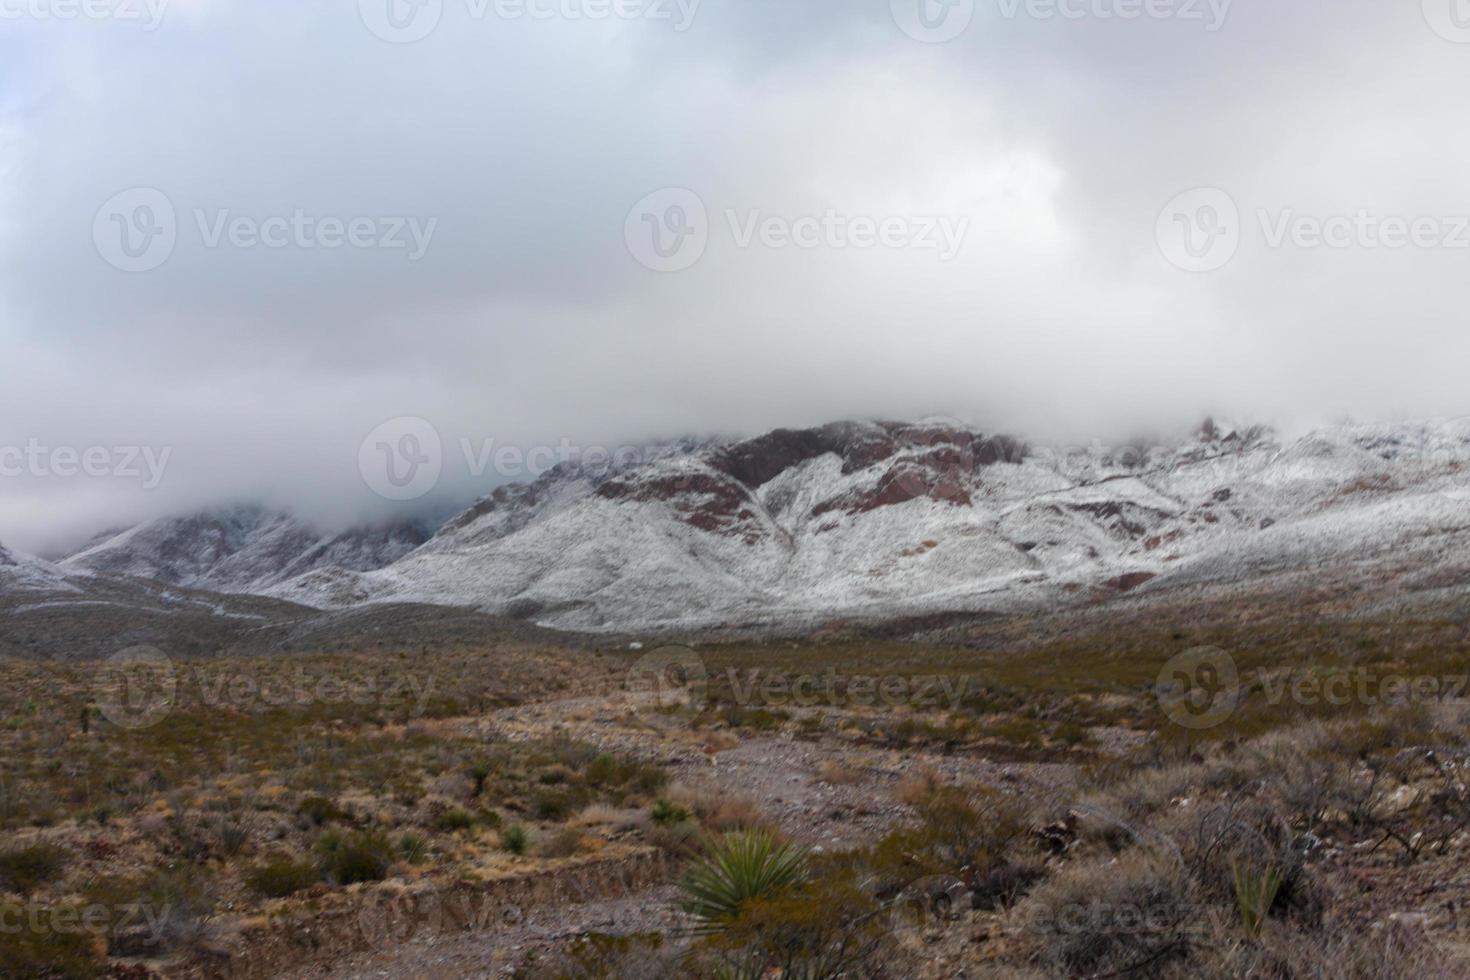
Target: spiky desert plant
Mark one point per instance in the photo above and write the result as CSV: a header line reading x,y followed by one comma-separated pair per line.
x,y
1255,893
739,867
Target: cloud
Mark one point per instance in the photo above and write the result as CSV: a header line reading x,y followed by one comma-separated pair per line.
x,y
528,319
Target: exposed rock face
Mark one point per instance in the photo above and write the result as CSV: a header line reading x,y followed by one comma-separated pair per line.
x,y
876,519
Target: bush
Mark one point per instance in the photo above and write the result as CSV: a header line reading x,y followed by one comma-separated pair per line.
x,y
667,814
182,897
516,839
277,879
44,953
413,848
479,773
1110,919
555,804
738,868
565,843
23,869
320,811
356,857
452,820
822,926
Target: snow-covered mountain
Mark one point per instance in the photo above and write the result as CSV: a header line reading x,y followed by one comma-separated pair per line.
x,y
23,573
239,549
881,519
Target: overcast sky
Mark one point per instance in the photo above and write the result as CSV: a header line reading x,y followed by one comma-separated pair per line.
x,y
248,232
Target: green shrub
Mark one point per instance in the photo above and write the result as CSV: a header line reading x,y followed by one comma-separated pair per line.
x,y
44,953
602,771
413,848
452,820
479,772
1255,893
184,900
555,804
516,839
667,814
320,811
21,870
738,868
277,879
355,857
565,843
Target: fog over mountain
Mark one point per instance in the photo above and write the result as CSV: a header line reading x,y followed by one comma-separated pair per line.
x,y
500,161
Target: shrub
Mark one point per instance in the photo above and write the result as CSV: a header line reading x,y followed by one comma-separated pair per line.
x,y
1255,893
320,811
667,814
554,804
413,848
351,858
823,926
21,870
452,820
516,839
279,878
565,843
602,771
182,897
44,953
479,772
959,829
1109,919
738,868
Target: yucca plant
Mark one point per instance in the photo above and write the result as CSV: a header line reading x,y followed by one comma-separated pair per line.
x,y
739,867
1255,893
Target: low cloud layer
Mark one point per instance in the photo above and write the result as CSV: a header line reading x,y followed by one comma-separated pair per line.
x,y
250,233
